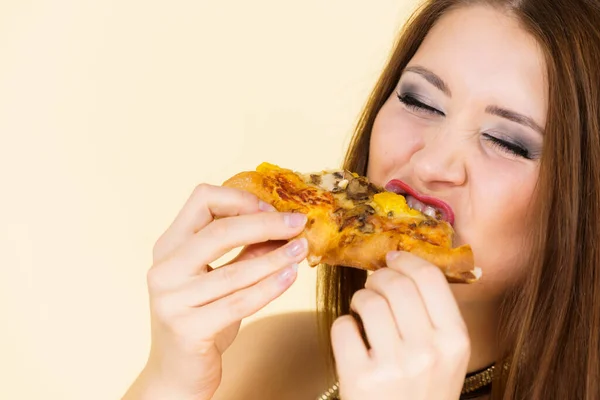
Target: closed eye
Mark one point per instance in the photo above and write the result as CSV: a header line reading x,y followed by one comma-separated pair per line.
x,y
510,148
415,105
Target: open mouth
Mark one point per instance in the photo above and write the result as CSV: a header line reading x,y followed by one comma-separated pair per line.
x,y
428,205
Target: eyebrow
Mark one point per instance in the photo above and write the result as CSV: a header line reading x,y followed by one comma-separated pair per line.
x,y
494,110
431,78
514,117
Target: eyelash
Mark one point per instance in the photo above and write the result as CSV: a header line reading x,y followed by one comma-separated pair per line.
x,y
415,105
511,148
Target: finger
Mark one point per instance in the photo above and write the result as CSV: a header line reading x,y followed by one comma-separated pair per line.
x,y
223,281
253,250
404,299
227,234
209,201
214,317
349,350
257,250
378,321
205,203
434,289
217,239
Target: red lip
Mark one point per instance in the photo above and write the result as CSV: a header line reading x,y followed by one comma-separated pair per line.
x,y
397,186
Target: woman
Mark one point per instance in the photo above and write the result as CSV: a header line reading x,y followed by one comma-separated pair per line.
x,y
491,106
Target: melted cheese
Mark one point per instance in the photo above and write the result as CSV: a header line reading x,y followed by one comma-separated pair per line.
x,y
265,166
328,182
387,202
384,203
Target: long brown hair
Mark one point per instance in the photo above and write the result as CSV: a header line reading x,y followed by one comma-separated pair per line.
x,y
550,324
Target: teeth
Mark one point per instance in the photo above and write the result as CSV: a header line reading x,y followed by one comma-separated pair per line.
x,y
430,211
414,203
419,206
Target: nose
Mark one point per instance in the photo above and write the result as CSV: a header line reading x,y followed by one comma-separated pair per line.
x,y
440,162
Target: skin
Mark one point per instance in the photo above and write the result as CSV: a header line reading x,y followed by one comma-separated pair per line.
x,y
425,334
485,59
196,311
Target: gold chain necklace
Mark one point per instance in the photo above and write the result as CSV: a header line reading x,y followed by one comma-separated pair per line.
x,y
471,384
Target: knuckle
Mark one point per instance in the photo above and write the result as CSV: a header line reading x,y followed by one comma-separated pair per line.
x,y
462,343
341,325
400,284
200,190
367,301
427,352
277,258
230,276
357,299
160,248
153,279
156,248
237,306
453,345
401,258
247,197
272,221
267,224
424,360
273,261
419,360
380,277
263,222
219,228
389,282
394,372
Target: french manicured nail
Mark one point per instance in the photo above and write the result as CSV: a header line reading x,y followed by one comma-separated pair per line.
x,y
264,206
392,255
295,247
294,220
288,273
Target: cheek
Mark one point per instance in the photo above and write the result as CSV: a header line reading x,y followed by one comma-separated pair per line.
x,y
394,138
496,225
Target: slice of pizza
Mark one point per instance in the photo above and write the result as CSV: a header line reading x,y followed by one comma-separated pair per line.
x,y
354,223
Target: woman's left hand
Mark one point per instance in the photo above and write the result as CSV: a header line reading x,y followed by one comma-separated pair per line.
x,y
419,342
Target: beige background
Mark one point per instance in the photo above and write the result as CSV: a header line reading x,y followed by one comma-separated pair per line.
x,y
110,113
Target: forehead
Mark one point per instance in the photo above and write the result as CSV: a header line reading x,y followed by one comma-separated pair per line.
x,y
482,52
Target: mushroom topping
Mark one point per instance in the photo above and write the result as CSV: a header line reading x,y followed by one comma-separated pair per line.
x,y
315,179
340,185
369,210
357,190
367,228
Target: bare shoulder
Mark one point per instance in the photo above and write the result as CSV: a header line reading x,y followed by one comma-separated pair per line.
x,y
277,357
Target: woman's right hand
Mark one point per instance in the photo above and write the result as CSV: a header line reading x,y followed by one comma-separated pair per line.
x,y
196,311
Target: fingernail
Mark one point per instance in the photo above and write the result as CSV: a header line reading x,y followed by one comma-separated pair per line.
x,y
288,274
294,220
264,206
392,255
296,247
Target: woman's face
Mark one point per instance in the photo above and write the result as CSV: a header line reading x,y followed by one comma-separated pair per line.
x,y
464,125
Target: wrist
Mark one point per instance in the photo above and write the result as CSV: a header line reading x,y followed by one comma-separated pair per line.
x,y
149,385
